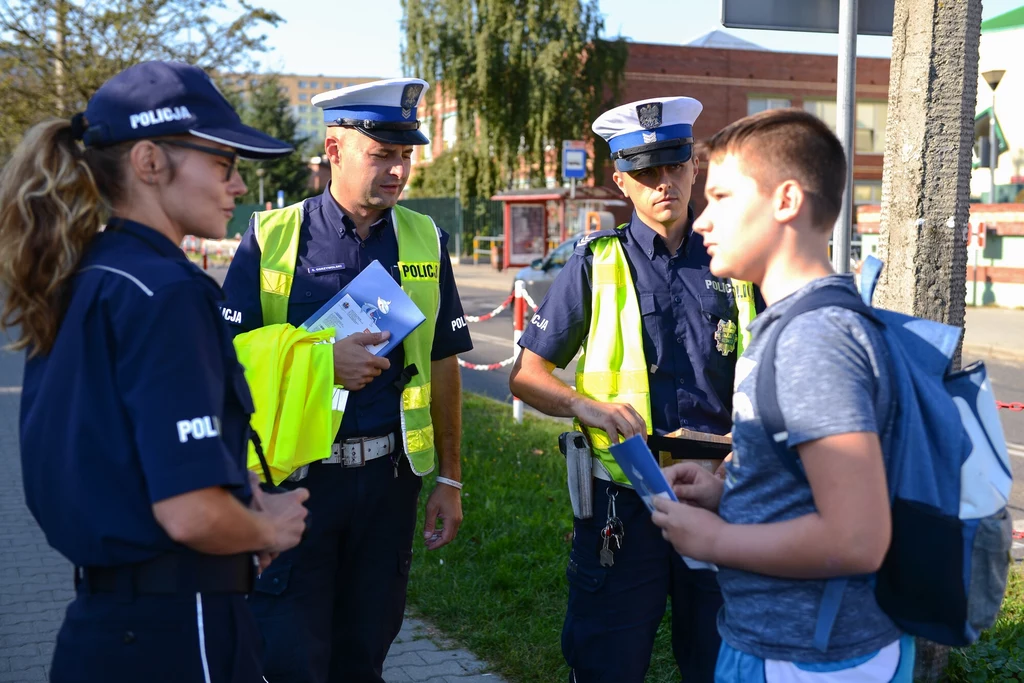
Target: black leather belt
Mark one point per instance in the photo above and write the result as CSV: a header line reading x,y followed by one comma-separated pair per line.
x,y
172,573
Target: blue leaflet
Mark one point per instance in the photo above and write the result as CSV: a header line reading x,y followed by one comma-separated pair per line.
x,y
382,299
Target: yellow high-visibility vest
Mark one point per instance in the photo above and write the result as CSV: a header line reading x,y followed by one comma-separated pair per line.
x,y
419,260
289,371
613,369
743,293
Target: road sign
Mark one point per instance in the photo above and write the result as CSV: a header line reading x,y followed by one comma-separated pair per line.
x,y
574,159
874,17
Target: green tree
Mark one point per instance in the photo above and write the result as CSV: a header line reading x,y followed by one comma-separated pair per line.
x,y
461,171
55,53
268,110
526,74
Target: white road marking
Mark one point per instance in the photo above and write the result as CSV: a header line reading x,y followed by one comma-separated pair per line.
x,y
1015,449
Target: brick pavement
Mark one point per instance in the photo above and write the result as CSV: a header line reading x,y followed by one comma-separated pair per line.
x,y
35,582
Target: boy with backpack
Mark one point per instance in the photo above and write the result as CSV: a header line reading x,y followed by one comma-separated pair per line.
x,y
827,397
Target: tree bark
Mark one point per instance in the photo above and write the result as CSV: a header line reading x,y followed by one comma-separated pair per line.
x,y
933,82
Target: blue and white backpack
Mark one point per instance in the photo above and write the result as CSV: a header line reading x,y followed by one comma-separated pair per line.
x,y
949,476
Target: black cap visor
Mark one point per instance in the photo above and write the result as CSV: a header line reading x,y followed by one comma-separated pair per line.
x,y
247,142
387,132
663,153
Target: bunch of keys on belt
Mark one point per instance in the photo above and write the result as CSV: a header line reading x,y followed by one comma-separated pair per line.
x,y
612,534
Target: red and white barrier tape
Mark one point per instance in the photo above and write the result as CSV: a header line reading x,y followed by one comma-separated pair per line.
x,y
491,366
487,316
529,300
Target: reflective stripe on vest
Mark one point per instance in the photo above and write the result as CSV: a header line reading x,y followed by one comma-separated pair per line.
x,y
419,261
613,369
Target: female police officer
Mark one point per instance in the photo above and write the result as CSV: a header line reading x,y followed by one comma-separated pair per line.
x,y
134,414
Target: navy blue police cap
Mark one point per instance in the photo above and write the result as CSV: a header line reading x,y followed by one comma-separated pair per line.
x,y
382,110
157,99
654,132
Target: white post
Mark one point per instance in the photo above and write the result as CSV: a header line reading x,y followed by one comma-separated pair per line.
x,y
846,110
519,311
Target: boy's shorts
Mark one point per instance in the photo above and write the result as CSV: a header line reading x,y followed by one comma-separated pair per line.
x,y
893,663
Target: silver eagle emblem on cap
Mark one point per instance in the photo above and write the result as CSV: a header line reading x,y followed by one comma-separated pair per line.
x,y
649,115
410,96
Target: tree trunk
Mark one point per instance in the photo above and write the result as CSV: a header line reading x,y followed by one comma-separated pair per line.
x,y
933,82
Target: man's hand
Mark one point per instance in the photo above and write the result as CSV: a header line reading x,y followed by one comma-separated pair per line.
x,y
613,418
445,503
689,529
694,485
354,366
286,515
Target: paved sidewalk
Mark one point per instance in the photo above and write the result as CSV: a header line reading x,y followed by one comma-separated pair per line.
x,y
35,582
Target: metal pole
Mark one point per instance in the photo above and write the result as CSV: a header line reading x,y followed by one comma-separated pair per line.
x,y
261,188
846,109
993,148
572,188
518,323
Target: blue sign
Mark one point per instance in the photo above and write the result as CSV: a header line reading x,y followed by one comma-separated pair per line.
x,y
574,163
280,199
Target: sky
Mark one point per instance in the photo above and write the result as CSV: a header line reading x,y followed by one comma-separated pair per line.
x,y
363,38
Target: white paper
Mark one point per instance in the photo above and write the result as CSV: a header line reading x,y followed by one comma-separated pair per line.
x,y
347,318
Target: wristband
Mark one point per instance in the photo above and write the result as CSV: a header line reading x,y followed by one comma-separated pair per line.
x,y
450,482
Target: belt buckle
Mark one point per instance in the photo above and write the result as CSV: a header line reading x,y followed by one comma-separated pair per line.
x,y
347,461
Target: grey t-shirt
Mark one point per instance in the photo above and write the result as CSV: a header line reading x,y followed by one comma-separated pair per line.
x,y
831,369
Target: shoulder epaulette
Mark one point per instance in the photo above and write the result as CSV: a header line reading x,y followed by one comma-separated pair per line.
x,y
584,244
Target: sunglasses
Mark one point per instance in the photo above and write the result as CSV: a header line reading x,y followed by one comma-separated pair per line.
x,y
232,157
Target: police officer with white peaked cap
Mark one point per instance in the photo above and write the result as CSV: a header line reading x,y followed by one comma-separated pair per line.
x,y
330,609
659,338
135,411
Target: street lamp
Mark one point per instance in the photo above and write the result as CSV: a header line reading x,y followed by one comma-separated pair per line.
x,y
993,78
259,174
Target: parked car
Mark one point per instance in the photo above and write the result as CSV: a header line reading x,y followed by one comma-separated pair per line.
x,y
538,276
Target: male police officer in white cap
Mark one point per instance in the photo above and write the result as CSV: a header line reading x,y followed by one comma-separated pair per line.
x,y
330,610
659,336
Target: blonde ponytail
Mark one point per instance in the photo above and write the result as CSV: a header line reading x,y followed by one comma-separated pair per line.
x,y
51,207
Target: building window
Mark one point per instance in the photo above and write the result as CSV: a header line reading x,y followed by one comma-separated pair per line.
x,y
314,84
867,192
303,97
339,85
303,108
756,105
870,133
449,130
870,130
302,84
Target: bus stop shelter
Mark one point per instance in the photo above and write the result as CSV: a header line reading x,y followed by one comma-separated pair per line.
x,y
538,220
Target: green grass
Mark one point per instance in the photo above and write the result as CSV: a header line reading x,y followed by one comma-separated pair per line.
x,y
500,588
999,653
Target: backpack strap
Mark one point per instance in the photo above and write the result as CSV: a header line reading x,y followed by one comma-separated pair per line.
x,y
774,423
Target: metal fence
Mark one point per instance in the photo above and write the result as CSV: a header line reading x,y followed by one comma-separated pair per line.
x,y
482,217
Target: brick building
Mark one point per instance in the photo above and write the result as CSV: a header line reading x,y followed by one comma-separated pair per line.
x,y
734,78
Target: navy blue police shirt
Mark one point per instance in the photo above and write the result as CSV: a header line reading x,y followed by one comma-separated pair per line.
x,y
330,255
140,399
682,305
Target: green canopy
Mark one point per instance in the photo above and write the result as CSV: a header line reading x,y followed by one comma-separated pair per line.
x,y
1005,21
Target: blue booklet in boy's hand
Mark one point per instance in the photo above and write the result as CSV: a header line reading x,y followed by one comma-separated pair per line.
x,y
638,463
372,302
